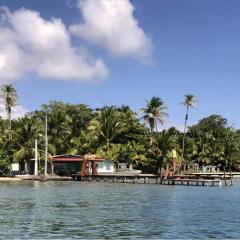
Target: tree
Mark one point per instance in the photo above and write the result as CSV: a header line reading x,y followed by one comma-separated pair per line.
x,y
4,163
154,113
133,131
9,99
67,124
135,154
110,152
161,149
107,126
210,136
27,130
189,102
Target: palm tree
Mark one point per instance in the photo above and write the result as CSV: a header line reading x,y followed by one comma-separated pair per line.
x,y
161,150
107,126
110,152
154,113
27,130
9,99
59,130
135,154
189,102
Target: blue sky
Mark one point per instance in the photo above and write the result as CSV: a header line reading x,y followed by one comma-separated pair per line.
x,y
190,47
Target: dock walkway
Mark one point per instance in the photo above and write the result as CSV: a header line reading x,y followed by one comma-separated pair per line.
x,y
148,179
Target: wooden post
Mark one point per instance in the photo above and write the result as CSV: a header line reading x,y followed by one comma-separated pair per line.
x,y
94,168
134,179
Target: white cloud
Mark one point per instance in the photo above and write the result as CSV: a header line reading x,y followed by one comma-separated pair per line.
x,y
17,111
28,43
111,24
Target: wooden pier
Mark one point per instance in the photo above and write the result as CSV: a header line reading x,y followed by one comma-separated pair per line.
x,y
148,179
192,182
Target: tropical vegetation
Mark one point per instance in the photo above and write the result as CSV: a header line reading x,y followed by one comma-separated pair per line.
x,y
118,134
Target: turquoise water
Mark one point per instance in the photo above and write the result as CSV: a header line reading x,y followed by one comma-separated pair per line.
x,y
44,210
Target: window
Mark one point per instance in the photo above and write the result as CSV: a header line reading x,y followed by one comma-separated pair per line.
x,y
100,165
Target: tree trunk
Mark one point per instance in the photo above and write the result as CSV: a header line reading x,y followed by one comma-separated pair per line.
x,y
159,168
156,127
184,132
230,171
9,122
52,168
116,166
225,181
27,167
184,136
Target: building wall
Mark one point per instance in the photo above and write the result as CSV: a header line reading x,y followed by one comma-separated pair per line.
x,y
67,168
105,167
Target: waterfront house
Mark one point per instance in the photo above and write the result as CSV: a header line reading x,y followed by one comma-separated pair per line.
x,y
88,164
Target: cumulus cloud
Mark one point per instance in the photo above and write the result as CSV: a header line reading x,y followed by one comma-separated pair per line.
x,y
17,111
111,24
29,43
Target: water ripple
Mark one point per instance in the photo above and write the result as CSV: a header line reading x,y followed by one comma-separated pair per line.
x,y
73,210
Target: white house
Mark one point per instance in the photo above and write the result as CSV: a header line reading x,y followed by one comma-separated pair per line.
x,y
105,167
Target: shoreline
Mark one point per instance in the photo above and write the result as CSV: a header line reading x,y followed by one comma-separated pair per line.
x,y
10,179
17,178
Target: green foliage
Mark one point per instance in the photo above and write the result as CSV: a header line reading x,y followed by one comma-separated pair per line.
x,y
213,142
135,154
154,113
161,148
4,164
117,134
9,99
107,126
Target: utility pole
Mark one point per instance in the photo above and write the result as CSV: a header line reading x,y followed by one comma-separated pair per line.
x,y
46,146
36,159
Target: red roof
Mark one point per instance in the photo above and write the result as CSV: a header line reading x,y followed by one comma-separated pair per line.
x,y
72,158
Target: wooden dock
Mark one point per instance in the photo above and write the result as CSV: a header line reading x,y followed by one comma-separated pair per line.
x,y
192,182
148,179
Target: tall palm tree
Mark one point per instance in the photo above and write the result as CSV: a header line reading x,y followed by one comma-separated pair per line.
x,y
154,113
189,102
9,99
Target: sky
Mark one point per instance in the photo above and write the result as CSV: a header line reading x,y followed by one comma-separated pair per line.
x,y
115,52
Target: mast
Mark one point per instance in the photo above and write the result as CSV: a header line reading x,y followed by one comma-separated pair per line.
x,y
46,147
36,159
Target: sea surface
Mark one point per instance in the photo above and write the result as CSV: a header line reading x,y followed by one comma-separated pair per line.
x,y
75,210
